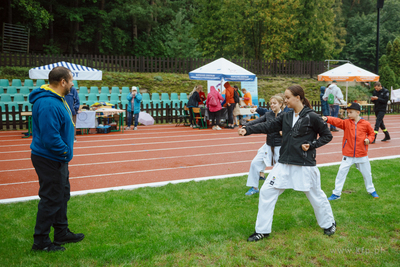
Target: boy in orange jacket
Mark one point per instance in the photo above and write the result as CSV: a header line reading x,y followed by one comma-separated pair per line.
x,y
358,134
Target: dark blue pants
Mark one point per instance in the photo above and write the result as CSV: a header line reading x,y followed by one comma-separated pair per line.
x,y
54,193
334,109
130,116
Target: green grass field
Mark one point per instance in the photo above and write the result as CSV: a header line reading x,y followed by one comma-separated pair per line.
x,y
207,224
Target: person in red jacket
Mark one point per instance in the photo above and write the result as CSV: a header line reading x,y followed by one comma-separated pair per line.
x,y
358,134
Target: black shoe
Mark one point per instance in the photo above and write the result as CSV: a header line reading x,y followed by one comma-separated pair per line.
x,y
256,237
331,230
49,248
262,178
387,136
68,238
334,130
373,142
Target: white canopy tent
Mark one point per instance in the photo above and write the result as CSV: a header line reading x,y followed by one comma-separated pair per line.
x,y
79,72
222,69
348,73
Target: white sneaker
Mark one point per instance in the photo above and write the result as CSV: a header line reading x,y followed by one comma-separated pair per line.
x,y
135,128
218,128
214,128
127,128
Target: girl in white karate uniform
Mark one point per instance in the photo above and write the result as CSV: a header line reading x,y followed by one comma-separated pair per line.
x,y
268,154
296,168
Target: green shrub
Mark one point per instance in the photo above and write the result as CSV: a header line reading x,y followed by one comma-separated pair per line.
x,y
14,72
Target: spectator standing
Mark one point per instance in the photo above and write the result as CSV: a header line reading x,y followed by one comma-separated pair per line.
x,y
296,168
202,96
193,102
230,103
324,104
380,98
358,134
133,109
72,99
333,95
247,97
268,154
52,148
213,103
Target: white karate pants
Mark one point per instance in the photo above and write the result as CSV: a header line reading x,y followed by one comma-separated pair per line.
x,y
269,196
260,162
362,165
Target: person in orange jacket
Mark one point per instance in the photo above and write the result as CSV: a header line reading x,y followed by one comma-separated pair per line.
x,y
358,134
230,104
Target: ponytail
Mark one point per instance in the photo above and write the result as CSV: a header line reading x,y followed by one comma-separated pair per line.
x,y
307,103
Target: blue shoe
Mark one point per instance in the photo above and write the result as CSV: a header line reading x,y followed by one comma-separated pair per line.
x,y
374,194
262,178
333,197
252,191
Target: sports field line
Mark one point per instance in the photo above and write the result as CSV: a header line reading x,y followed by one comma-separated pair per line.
x,y
174,157
145,159
177,148
136,138
158,184
143,150
151,143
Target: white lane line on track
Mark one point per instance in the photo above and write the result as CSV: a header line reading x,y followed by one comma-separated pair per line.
x,y
145,159
152,143
133,172
158,184
145,133
144,150
139,144
140,138
177,148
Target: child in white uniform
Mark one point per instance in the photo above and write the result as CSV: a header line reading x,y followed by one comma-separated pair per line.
x,y
268,154
296,168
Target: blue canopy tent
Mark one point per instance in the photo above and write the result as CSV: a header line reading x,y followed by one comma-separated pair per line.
x,y
224,70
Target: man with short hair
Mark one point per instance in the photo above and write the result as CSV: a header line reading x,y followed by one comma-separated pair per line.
x,y
334,94
380,98
52,149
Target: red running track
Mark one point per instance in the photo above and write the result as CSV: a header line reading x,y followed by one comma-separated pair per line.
x,y
157,153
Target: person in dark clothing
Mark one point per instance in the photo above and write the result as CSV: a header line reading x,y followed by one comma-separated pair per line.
x,y
73,102
194,99
230,104
324,104
268,154
296,168
380,98
52,149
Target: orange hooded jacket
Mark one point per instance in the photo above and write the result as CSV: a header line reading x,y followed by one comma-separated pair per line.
x,y
354,136
229,93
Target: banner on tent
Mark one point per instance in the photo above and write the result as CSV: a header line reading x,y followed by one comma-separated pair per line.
x,y
216,84
395,95
252,87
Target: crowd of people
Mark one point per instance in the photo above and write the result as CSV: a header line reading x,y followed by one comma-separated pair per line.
x,y
294,133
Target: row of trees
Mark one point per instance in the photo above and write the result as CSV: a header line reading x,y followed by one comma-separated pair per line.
x,y
390,65
255,29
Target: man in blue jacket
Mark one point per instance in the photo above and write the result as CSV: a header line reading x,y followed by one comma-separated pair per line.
x,y
52,149
133,109
73,102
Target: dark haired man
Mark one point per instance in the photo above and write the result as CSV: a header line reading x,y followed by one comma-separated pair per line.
x,y
52,149
380,98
